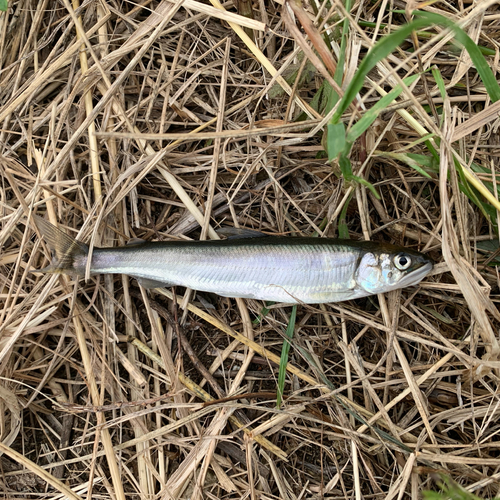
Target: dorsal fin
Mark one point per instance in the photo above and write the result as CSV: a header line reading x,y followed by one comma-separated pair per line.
x,y
232,233
135,241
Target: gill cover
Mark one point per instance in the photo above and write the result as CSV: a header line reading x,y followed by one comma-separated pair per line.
x,y
383,272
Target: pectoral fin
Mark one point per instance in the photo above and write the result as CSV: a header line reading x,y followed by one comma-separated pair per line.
x,y
238,295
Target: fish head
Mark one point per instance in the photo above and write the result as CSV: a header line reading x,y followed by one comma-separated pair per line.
x,y
391,268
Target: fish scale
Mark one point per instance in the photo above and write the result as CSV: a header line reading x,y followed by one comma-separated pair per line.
x,y
287,272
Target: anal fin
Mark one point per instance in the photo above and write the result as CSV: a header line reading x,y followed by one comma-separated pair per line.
x,y
149,283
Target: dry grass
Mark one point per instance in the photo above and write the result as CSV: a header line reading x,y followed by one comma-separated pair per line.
x,y
170,119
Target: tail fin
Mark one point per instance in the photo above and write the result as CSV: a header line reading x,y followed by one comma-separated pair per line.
x,y
68,256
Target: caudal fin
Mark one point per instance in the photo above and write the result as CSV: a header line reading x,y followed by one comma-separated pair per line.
x,y
68,256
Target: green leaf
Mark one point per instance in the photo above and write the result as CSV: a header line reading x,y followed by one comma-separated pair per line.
x,y
284,356
343,229
335,140
290,75
482,66
442,88
487,51
389,43
437,315
428,162
433,495
3,5
317,102
371,115
433,151
263,312
339,71
415,161
367,184
346,169
491,246
450,490
439,81
333,97
379,51
488,210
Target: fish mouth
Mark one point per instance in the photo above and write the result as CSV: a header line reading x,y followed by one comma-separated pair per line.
x,y
416,275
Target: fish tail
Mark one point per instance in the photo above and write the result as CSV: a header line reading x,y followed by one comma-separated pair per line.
x,y
68,256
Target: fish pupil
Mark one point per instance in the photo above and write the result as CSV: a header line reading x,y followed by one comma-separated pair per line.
x,y
402,261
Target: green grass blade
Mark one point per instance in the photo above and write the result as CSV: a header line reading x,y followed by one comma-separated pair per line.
x,y
487,51
421,163
491,247
331,96
488,210
335,140
482,66
284,356
339,72
389,43
318,101
379,51
263,312
346,169
450,490
439,81
371,115
343,229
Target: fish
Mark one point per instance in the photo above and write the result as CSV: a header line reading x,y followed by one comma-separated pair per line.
x,y
249,264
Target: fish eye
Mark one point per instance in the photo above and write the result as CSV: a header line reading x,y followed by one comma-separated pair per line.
x,y
402,261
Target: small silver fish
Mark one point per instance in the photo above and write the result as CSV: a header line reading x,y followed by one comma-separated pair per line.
x,y
280,269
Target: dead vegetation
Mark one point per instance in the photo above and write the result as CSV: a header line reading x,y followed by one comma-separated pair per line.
x,y
169,119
